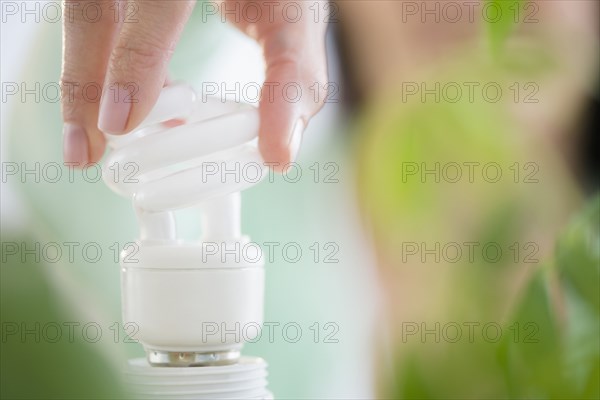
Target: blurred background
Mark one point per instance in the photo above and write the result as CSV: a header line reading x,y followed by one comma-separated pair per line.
x,y
450,184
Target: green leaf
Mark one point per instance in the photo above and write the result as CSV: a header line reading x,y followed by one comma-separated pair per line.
x,y
578,255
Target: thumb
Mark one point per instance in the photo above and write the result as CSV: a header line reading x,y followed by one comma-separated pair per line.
x,y
296,67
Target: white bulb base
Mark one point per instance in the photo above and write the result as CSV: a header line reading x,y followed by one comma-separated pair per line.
x,y
190,308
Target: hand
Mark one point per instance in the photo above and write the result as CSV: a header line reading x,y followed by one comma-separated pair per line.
x,y
108,55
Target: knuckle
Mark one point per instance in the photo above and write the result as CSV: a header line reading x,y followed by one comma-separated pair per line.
x,y
76,91
88,12
133,57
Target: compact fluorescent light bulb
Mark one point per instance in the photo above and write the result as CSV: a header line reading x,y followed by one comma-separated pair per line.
x,y
180,295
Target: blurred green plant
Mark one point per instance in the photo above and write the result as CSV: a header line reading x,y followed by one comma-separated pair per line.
x,y
501,25
36,364
567,365
565,362
550,346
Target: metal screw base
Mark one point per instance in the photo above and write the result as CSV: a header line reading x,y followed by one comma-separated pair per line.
x,y
159,358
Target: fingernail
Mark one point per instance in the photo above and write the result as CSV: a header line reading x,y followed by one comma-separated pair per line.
x,y
296,139
75,144
114,111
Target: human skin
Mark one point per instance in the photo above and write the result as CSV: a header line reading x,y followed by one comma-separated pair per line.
x,y
113,54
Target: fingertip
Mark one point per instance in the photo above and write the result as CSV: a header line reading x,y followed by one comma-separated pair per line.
x,y
75,144
278,152
276,158
96,152
80,146
296,139
114,112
